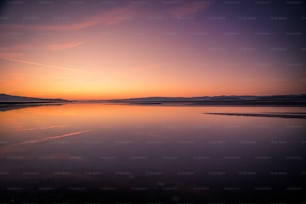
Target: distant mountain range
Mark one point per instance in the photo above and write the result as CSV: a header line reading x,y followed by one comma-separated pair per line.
x,y
290,100
4,98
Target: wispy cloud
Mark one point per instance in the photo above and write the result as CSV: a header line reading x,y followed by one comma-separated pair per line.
x,y
189,9
16,47
64,46
110,17
22,61
10,54
15,50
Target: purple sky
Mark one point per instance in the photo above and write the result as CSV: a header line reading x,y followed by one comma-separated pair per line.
x,y
114,49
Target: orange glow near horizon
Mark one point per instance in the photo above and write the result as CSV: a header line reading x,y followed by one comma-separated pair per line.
x,y
141,83
146,81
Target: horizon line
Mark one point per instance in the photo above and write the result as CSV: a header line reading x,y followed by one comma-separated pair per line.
x,y
140,97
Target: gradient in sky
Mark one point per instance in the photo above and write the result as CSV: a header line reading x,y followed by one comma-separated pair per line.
x,y
96,49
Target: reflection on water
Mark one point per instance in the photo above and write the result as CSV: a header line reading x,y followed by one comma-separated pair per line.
x,y
14,106
95,152
301,115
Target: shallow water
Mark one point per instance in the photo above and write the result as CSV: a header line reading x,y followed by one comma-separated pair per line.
x,y
128,153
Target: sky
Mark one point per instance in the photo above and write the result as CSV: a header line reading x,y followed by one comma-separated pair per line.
x,y
97,49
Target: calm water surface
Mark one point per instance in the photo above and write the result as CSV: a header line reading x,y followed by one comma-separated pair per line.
x,y
129,153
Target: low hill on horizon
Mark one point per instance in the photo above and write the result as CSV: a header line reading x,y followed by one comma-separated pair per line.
x,y
5,98
294,99
291,100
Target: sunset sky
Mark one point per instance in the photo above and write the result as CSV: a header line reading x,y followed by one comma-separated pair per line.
x,y
120,49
